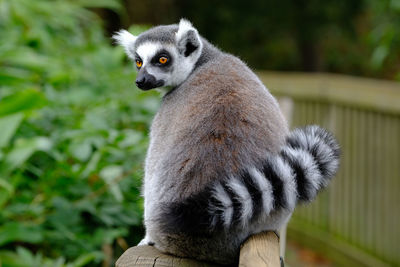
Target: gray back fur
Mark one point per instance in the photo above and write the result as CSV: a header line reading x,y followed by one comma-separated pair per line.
x,y
219,121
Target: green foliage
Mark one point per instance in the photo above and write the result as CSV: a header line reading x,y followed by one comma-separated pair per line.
x,y
73,133
384,37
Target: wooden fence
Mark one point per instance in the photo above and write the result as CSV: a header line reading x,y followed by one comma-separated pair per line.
x,y
357,220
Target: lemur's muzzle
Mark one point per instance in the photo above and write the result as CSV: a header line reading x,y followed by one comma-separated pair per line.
x,y
146,81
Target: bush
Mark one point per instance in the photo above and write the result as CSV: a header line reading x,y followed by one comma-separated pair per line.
x,y
73,133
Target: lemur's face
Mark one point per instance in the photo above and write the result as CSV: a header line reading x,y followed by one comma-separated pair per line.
x,y
157,65
164,56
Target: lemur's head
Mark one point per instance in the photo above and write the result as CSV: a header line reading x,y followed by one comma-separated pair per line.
x,y
164,55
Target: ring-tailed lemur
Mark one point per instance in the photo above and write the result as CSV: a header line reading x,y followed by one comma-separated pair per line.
x,y
221,164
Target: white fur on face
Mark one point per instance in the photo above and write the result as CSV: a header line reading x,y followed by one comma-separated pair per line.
x,y
147,51
182,66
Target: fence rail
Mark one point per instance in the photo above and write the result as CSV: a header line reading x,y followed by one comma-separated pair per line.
x,y
358,218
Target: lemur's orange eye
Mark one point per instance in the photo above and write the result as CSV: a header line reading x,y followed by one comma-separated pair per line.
x,y
139,63
163,60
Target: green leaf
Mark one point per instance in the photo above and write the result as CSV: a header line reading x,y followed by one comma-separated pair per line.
x,y
85,259
109,175
81,150
15,76
92,164
8,127
24,148
395,5
27,256
27,58
59,262
6,191
107,236
130,138
112,4
18,232
10,258
379,55
24,258
6,186
22,101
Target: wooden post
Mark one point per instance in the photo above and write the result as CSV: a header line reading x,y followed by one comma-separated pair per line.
x,y
260,250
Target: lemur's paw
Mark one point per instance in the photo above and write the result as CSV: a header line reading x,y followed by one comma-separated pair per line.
x,y
146,242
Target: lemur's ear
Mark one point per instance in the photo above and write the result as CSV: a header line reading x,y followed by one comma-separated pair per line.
x,y
127,40
188,39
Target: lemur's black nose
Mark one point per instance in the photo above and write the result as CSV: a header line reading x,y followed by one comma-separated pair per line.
x,y
140,82
146,81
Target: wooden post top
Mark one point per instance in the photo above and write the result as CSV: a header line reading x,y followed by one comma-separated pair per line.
x,y
260,250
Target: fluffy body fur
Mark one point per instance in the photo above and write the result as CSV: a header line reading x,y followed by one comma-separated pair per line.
x,y
221,164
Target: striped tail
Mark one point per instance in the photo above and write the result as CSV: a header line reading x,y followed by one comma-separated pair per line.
x,y
305,165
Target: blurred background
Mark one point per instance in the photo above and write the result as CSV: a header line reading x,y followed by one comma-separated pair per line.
x,y
74,128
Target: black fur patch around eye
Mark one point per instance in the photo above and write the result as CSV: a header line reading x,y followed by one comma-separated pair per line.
x,y
137,57
162,53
